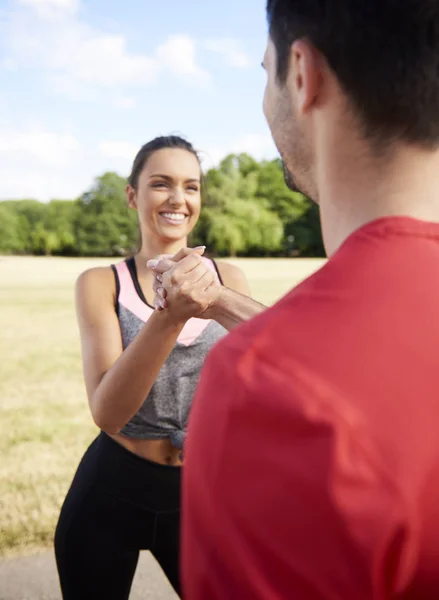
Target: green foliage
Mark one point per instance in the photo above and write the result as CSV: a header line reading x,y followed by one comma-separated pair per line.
x,y
60,220
235,219
247,211
104,225
306,232
12,240
44,241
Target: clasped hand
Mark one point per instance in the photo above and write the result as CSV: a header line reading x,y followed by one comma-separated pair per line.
x,y
184,285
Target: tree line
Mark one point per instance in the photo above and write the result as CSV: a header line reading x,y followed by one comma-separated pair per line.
x,y
247,211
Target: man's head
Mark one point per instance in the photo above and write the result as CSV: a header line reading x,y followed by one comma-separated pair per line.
x,y
334,66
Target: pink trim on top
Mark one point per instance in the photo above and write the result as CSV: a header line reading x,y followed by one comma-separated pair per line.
x,y
129,298
210,265
193,329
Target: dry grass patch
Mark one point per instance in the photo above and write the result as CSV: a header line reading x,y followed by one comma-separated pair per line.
x,y
44,419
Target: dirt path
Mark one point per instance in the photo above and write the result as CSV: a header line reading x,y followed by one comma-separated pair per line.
x,y
35,578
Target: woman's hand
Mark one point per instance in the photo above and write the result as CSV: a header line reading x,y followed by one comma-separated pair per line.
x,y
184,284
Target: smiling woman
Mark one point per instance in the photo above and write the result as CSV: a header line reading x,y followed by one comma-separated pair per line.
x,y
165,188
141,368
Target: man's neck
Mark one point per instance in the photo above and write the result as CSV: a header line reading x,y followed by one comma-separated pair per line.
x,y
356,192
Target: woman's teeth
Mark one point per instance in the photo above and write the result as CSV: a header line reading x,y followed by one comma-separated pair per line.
x,y
174,216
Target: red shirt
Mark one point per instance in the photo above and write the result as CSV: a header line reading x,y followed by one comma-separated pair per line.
x,y
312,460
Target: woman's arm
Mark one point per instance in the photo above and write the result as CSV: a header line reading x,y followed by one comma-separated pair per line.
x,y
117,380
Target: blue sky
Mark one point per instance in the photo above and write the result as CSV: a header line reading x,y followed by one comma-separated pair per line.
x,y
84,83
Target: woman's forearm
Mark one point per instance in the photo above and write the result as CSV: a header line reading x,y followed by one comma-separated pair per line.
x,y
124,387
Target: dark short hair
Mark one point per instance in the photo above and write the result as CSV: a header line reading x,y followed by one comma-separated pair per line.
x,y
385,54
158,143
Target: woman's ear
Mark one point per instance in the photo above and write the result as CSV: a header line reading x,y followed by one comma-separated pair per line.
x,y
131,195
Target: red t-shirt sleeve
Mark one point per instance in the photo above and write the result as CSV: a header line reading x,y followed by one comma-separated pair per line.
x,y
283,493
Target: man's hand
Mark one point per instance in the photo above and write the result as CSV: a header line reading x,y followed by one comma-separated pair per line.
x,y
184,284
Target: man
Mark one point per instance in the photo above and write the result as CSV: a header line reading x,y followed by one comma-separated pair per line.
x,y
312,461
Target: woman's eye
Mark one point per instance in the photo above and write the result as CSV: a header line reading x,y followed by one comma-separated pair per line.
x,y
159,184
193,189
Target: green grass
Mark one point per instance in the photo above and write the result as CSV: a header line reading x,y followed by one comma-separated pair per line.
x,y
45,424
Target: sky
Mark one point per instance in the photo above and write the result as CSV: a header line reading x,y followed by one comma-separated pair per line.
x,y
84,83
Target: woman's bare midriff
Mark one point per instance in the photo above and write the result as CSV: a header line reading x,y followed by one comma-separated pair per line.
x,y
159,451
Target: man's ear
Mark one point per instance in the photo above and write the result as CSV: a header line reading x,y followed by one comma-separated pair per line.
x,y
131,195
304,77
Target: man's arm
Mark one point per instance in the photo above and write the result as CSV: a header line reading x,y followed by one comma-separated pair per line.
x,y
232,308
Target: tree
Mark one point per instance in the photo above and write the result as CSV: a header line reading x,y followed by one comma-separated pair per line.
x,y
43,241
307,233
104,225
12,238
60,220
30,213
289,205
248,211
234,220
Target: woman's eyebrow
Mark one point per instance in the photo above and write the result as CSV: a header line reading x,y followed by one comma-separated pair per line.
x,y
169,178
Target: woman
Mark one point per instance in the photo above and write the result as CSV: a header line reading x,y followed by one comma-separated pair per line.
x,y
140,368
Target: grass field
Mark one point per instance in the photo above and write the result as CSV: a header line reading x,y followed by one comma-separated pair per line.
x,y
44,420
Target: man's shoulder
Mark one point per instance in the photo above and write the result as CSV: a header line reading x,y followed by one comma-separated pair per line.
x,y
263,335
319,318
296,304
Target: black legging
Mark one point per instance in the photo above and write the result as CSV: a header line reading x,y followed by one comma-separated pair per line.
x,y
117,505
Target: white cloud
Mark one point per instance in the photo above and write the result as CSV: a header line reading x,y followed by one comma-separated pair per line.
x,y
73,54
260,146
8,64
126,102
45,147
82,62
43,164
232,50
43,186
178,55
51,8
118,149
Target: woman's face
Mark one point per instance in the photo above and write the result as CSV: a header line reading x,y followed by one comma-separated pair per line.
x,y
168,197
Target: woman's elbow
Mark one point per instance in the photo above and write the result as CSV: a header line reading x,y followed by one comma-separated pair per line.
x,y
104,421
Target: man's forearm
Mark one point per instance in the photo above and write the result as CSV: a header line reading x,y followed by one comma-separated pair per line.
x,y
232,309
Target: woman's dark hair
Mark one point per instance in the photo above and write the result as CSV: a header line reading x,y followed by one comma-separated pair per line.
x,y
159,143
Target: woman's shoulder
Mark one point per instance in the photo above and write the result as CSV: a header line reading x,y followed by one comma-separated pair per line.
x,y
97,280
233,277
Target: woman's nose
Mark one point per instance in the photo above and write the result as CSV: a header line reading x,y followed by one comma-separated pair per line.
x,y
177,197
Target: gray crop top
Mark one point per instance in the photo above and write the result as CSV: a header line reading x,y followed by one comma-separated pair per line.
x,y
166,409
